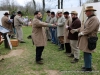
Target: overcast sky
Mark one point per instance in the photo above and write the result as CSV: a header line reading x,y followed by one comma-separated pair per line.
x,y
67,3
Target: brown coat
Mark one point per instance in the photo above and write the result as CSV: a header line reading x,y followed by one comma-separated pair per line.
x,y
89,29
75,25
67,22
6,23
38,32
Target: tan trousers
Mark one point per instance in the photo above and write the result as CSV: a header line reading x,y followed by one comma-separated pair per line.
x,y
48,33
19,33
61,39
74,48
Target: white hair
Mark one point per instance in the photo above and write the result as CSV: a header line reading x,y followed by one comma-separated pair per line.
x,y
93,12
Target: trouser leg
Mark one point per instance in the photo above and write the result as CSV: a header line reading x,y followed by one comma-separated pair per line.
x,y
19,33
87,60
39,51
67,47
74,48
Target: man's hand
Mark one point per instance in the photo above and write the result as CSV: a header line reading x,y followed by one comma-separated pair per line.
x,y
74,30
67,26
80,34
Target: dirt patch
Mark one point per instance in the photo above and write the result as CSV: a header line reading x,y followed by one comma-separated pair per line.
x,y
52,72
12,54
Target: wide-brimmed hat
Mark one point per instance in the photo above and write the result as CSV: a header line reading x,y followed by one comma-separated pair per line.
x,y
6,13
59,12
19,12
90,8
74,12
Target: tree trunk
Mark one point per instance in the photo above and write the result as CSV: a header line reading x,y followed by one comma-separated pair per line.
x,y
58,4
61,4
43,8
95,0
34,5
80,3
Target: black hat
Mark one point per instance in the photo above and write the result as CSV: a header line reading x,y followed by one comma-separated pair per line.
x,y
52,13
6,13
48,11
19,12
66,12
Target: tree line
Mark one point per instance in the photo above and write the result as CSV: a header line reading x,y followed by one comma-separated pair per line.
x,y
30,7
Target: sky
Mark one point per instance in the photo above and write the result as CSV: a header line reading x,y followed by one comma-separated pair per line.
x,y
67,3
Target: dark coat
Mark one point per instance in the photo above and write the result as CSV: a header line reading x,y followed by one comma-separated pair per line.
x,y
76,23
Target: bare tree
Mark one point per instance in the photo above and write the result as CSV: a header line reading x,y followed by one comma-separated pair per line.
x,y
34,5
61,4
80,2
58,4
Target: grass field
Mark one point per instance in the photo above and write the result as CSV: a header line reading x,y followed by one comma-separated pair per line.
x,y
55,62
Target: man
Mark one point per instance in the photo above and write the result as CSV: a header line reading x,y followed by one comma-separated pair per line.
x,y
18,26
60,28
90,28
74,36
12,18
47,28
68,22
38,35
52,30
7,23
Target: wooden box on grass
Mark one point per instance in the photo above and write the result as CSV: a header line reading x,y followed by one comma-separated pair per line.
x,y
14,42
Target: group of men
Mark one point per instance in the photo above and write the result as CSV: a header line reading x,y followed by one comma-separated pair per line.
x,y
62,33
62,29
14,25
68,31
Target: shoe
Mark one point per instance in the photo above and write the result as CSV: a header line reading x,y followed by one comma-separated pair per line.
x,y
39,62
48,40
22,42
74,60
87,69
71,56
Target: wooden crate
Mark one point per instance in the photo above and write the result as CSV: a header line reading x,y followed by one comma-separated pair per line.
x,y
14,42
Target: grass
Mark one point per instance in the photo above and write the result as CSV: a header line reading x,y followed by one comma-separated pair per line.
x,y
54,61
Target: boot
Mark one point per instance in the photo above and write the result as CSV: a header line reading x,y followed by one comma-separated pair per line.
x,y
62,47
87,69
68,48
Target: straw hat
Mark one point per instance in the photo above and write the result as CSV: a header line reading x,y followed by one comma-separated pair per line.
x,y
59,12
74,12
90,8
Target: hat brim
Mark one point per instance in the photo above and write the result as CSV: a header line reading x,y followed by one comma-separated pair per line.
x,y
6,14
90,10
73,13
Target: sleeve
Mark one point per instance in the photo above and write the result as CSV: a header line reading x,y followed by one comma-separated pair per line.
x,y
8,21
41,24
20,20
76,25
92,25
62,22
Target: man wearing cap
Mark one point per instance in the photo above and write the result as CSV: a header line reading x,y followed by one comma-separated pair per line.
x,y
76,23
47,28
60,29
39,35
7,23
18,25
68,22
53,20
90,28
